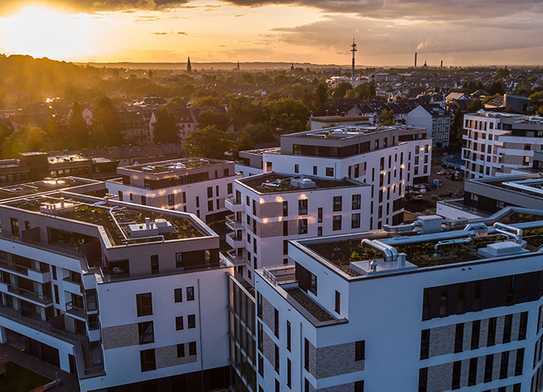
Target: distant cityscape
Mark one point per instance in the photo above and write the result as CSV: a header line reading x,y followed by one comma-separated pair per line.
x,y
234,227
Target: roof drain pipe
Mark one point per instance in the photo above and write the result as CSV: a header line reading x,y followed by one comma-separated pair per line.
x,y
402,228
391,254
509,231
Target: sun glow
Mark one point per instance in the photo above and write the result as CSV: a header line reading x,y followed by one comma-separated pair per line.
x,y
43,31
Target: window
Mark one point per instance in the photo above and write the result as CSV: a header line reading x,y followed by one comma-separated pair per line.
x,y
359,386
276,358
179,323
277,386
289,337
306,354
337,306
355,221
289,373
489,361
144,304
329,172
336,223
314,170
192,348
302,207
302,226
459,338
171,200
491,337
319,215
191,321
357,202
424,344
154,264
260,365
190,293
120,193
457,369
147,360
296,168
359,350
285,208
144,200
179,260
276,322
472,372
180,351
210,205
178,295
146,332
337,203
209,191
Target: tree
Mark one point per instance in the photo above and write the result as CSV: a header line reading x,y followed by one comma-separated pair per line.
x,y
77,134
321,94
341,90
165,128
25,139
386,117
287,115
107,125
215,118
496,87
208,142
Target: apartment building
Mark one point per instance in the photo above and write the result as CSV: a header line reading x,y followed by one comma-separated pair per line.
x,y
432,306
435,119
388,158
485,197
270,209
499,143
194,185
119,295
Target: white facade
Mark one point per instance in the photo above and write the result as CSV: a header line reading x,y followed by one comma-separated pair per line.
x,y
391,330
497,143
264,221
438,125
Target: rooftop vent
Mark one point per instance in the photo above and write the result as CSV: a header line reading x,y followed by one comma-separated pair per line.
x,y
302,183
504,248
57,206
150,228
272,184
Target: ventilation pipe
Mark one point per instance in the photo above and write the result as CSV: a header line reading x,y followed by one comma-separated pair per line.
x,y
509,231
391,254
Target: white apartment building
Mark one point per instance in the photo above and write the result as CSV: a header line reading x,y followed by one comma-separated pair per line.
x,y
194,185
435,119
426,307
498,143
115,293
389,159
270,209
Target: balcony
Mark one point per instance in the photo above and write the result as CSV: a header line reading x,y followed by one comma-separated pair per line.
x,y
72,286
234,241
29,295
75,311
234,258
280,275
233,224
233,204
24,271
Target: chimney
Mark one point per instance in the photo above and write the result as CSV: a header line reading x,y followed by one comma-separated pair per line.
x,y
416,56
441,63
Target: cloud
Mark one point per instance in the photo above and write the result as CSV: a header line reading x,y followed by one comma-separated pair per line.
x,y
411,9
96,5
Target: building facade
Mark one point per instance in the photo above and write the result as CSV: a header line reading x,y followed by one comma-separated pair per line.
x,y
435,119
435,307
498,143
115,293
198,186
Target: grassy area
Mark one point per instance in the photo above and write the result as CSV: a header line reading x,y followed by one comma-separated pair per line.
x,y
18,379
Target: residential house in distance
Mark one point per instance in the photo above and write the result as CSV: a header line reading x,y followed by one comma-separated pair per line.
x,y
499,143
198,186
447,307
115,293
435,119
508,103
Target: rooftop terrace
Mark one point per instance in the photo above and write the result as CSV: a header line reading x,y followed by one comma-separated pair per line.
x,y
124,224
345,132
389,252
46,185
276,183
173,166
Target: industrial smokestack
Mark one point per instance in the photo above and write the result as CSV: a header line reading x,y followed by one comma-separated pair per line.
x,y
441,63
416,58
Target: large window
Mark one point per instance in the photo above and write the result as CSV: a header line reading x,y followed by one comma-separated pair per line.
x,y
357,202
144,304
146,332
336,223
302,207
302,226
190,293
147,360
337,203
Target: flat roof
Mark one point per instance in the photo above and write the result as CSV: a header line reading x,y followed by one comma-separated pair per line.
x,y
277,183
354,257
346,132
46,185
174,165
119,220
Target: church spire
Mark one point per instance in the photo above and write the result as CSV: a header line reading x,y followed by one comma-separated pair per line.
x,y
189,65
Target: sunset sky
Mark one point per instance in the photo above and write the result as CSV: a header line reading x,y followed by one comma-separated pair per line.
x,y
462,32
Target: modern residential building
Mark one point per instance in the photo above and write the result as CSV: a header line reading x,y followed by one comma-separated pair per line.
x,y
270,209
499,143
388,158
31,166
435,119
320,122
487,196
115,293
432,306
194,185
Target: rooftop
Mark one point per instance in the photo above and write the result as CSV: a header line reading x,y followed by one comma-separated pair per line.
x,y
278,183
346,132
123,223
46,185
173,166
57,159
409,247
509,116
